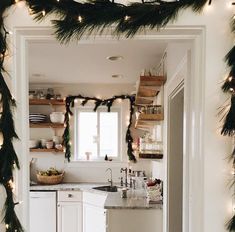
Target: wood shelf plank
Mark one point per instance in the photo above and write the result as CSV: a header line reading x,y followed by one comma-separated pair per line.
x,y
148,87
45,150
150,117
147,120
150,156
46,125
46,102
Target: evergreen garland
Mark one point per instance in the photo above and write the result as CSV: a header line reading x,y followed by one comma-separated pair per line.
x,y
70,102
73,20
229,120
8,157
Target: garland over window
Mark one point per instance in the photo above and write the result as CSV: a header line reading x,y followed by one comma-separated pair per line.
x,y
72,20
70,102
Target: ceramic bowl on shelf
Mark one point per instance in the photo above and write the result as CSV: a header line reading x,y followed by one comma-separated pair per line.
x,y
57,117
49,144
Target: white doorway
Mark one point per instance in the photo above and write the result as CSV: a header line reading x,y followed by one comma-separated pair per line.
x,y
193,88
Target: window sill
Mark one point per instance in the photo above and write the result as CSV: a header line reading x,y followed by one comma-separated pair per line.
x,y
95,163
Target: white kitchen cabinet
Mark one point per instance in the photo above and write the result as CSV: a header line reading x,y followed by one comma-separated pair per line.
x,y
69,211
94,214
42,211
94,218
69,217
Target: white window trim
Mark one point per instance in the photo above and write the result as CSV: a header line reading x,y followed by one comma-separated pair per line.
x,y
90,108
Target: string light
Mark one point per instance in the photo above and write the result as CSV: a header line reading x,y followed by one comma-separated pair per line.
x,y
7,226
1,139
11,184
80,18
230,79
30,11
43,13
127,18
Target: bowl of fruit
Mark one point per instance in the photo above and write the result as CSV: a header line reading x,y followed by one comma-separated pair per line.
x,y
50,176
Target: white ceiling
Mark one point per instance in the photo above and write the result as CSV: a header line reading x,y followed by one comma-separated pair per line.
x,y
85,62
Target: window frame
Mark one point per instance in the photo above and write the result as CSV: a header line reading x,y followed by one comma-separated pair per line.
x,y
78,109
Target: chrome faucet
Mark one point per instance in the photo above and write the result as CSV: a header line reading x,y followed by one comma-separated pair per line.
x,y
111,175
125,170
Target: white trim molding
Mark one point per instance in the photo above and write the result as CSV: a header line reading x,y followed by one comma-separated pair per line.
x,y
194,90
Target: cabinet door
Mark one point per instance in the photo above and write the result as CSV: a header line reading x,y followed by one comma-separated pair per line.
x,y
94,218
69,217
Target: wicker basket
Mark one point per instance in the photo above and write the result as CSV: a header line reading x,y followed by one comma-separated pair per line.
x,y
50,180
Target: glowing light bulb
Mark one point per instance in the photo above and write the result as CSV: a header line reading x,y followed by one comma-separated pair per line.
x,y
11,184
80,18
43,13
1,139
230,79
30,11
7,226
127,18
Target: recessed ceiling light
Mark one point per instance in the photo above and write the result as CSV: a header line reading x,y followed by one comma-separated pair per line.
x,y
117,76
114,58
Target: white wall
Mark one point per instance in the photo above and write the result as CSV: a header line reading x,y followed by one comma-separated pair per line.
x,y
218,40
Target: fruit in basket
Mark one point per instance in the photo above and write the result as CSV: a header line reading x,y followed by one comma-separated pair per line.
x,y
50,172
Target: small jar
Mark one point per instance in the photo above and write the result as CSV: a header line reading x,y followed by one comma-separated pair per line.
x,y
124,193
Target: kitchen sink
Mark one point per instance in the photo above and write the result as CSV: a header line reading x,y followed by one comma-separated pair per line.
x,y
107,188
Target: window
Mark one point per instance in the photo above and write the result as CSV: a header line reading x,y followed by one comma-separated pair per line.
x,y
97,133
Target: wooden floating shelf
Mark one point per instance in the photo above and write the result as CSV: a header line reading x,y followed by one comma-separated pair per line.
x,y
47,125
147,120
148,89
45,150
46,102
150,156
151,117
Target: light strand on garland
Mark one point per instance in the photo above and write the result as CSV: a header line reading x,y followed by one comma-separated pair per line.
x,y
228,127
8,157
70,103
96,15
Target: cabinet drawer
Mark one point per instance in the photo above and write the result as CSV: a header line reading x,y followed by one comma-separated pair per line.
x,y
69,196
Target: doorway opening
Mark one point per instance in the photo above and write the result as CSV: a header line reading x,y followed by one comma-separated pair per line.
x,y
26,35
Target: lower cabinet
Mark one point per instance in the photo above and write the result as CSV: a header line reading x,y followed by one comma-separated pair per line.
x,y
94,218
69,211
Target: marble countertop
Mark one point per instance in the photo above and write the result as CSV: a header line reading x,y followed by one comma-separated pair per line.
x,y
136,199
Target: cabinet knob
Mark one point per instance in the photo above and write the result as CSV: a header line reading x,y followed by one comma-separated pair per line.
x,y
70,195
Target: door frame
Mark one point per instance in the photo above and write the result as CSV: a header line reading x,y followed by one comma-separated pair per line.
x,y
194,88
